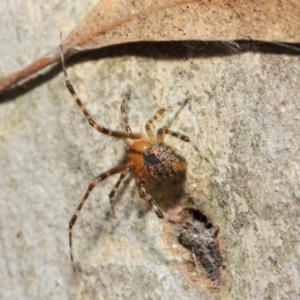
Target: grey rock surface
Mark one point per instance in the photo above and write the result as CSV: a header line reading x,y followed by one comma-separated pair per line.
x,y
243,113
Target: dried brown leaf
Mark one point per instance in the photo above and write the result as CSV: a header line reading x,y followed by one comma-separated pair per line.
x,y
116,22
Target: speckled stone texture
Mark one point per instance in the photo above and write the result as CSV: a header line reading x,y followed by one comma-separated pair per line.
x,y
243,113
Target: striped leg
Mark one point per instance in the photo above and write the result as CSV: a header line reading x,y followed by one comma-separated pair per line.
x,y
160,139
125,120
94,183
162,131
118,134
143,192
157,115
124,116
112,193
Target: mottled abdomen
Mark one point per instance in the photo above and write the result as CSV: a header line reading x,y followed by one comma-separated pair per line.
x,y
161,160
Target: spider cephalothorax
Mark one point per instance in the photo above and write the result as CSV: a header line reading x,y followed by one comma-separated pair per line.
x,y
147,156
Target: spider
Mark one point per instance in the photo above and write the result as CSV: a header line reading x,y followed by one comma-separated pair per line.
x,y
147,156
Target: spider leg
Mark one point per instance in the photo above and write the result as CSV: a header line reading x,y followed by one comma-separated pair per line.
x,y
118,134
94,183
156,116
112,193
144,194
162,131
160,139
125,120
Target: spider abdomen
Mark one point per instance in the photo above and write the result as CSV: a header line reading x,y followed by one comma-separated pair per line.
x,y
161,160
